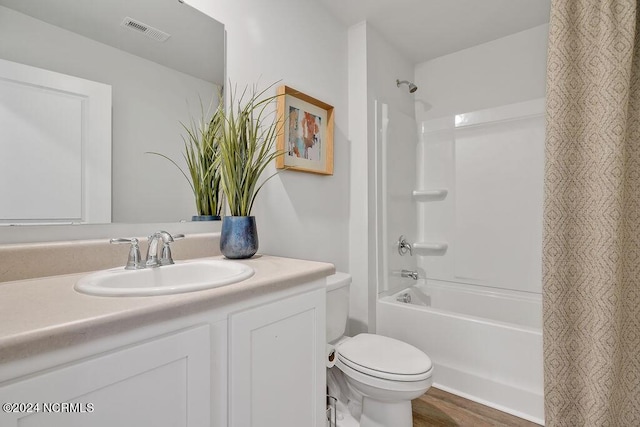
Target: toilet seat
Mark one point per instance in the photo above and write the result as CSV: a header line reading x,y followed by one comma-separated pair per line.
x,y
384,358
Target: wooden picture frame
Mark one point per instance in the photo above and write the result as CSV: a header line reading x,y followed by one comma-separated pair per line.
x,y
306,135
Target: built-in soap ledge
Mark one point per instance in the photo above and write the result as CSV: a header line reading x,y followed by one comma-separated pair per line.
x,y
430,195
430,248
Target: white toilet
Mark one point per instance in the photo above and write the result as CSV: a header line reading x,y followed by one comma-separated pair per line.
x,y
376,376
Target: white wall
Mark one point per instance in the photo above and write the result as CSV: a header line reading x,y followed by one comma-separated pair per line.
x,y
504,71
361,224
149,102
374,66
298,42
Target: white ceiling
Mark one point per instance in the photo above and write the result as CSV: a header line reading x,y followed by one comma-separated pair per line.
x,y
427,29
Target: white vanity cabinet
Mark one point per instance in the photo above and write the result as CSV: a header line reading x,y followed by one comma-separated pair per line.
x,y
276,363
160,382
256,362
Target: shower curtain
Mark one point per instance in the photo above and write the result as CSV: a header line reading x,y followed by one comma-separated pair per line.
x,y
591,249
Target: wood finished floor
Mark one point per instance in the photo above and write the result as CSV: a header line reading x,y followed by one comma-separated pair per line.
x,y
442,409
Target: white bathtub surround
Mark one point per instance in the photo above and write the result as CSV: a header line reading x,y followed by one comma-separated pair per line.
x,y
478,198
485,343
478,313
492,163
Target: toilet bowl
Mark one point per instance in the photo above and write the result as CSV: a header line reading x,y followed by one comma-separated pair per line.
x,y
377,376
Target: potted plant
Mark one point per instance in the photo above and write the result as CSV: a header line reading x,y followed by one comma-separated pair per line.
x,y
246,147
200,153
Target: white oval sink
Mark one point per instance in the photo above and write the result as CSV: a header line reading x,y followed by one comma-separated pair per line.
x,y
177,278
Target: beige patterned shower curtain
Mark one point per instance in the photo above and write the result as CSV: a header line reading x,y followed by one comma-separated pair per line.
x,y
591,249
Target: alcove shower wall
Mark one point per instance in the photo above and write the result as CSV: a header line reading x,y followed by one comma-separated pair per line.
x,y
476,309
480,179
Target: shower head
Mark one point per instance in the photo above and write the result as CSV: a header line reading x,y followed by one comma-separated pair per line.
x,y
412,87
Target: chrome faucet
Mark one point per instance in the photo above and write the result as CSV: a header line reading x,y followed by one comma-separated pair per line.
x,y
152,250
134,262
409,273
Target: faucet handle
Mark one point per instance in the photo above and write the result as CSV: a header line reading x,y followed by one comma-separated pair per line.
x,y
134,260
166,258
404,246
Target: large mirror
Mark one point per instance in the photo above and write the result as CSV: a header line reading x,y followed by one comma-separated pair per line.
x,y
156,86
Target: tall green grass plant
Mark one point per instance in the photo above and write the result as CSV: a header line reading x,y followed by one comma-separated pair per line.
x,y
246,147
201,151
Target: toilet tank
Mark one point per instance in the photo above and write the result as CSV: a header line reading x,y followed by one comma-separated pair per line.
x,y
337,305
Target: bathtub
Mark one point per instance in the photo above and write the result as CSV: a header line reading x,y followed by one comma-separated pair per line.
x,y
485,343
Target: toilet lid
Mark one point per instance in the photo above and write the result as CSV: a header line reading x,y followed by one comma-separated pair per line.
x,y
384,357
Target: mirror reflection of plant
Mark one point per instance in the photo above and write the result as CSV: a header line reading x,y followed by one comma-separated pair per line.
x,y
247,139
201,148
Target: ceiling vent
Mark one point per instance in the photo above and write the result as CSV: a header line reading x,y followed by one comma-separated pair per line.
x,y
145,29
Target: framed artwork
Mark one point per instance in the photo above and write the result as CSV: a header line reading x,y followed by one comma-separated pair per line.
x,y
307,133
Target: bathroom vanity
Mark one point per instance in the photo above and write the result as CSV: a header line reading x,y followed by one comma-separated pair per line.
x,y
246,354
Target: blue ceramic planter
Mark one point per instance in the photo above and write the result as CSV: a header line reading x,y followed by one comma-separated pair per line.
x,y
239,237
205,218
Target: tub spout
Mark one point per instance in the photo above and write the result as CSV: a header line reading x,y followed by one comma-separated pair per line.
x,y
409,273
405,298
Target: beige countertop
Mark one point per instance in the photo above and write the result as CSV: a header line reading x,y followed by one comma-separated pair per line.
x,y
42,314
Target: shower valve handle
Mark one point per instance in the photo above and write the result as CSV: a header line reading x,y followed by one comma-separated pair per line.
x,y
404,246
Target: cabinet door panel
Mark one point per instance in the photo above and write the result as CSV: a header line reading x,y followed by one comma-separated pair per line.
x,y
161,382
277,376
